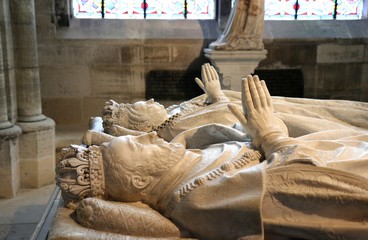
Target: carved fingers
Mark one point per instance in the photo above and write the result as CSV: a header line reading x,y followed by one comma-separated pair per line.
x,y
210,83
255,94
200,84
258,116
238,113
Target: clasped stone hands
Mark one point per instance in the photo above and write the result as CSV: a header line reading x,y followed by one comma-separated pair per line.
x,y
258,118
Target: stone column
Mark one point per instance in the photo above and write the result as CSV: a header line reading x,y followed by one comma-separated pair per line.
x,y
37,143
8,60
9,160
239,49
4,121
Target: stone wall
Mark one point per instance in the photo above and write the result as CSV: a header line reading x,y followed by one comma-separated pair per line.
x,y
91,61
333,56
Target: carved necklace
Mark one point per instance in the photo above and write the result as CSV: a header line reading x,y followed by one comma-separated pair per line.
x,y
166,122
186,108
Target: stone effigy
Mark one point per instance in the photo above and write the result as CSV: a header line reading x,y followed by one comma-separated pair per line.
x,y
211,107
211,182
146,116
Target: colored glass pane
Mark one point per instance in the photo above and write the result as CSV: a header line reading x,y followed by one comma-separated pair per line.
x,y
165,9
312,9
87,8
200,9
116,9
155,9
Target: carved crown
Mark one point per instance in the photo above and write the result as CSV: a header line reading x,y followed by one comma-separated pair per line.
x,y
79,174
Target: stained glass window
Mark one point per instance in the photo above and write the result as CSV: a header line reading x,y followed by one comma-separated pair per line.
x,y
313,9
148,9
205,9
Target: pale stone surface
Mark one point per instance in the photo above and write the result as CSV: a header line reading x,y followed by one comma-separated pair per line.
x,y
333,53
8,61
4,123
234,65
239,49
37,153
9,162
323,171
143,116
71,47
156,54
88,104
119,119
106,79
29,95
65,227
244,29
77,81
57,107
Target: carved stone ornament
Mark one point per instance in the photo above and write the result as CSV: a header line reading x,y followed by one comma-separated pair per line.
x,y
80,174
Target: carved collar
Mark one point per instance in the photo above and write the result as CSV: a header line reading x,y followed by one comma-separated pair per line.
x,y
171,179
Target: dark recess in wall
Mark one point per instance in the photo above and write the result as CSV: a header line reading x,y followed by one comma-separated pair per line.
x,y
283,82
172,85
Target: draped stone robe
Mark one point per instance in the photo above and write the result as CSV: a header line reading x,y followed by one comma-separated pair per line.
x,y
301,115
316,189
299,191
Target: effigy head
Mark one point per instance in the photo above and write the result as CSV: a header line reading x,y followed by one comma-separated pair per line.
x,y
142,115
135,164
80,174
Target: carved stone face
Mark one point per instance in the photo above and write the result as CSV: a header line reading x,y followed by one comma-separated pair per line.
x,y
133,163
135,150
152,110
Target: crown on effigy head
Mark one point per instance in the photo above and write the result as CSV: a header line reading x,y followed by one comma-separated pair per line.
x,y
79,174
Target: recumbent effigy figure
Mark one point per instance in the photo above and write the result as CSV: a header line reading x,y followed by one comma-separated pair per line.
x,y
275,187
146,116
301,116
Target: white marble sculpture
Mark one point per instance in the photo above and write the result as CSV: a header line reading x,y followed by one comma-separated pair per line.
x,y
244,29
211,107
209,182
147,116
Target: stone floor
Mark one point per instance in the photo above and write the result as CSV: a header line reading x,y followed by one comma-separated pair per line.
x,y
20,216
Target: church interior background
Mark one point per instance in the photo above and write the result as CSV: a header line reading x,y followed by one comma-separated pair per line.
x,y
56,71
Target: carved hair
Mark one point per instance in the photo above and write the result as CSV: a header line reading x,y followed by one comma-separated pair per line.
x,y
121,174
126,116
